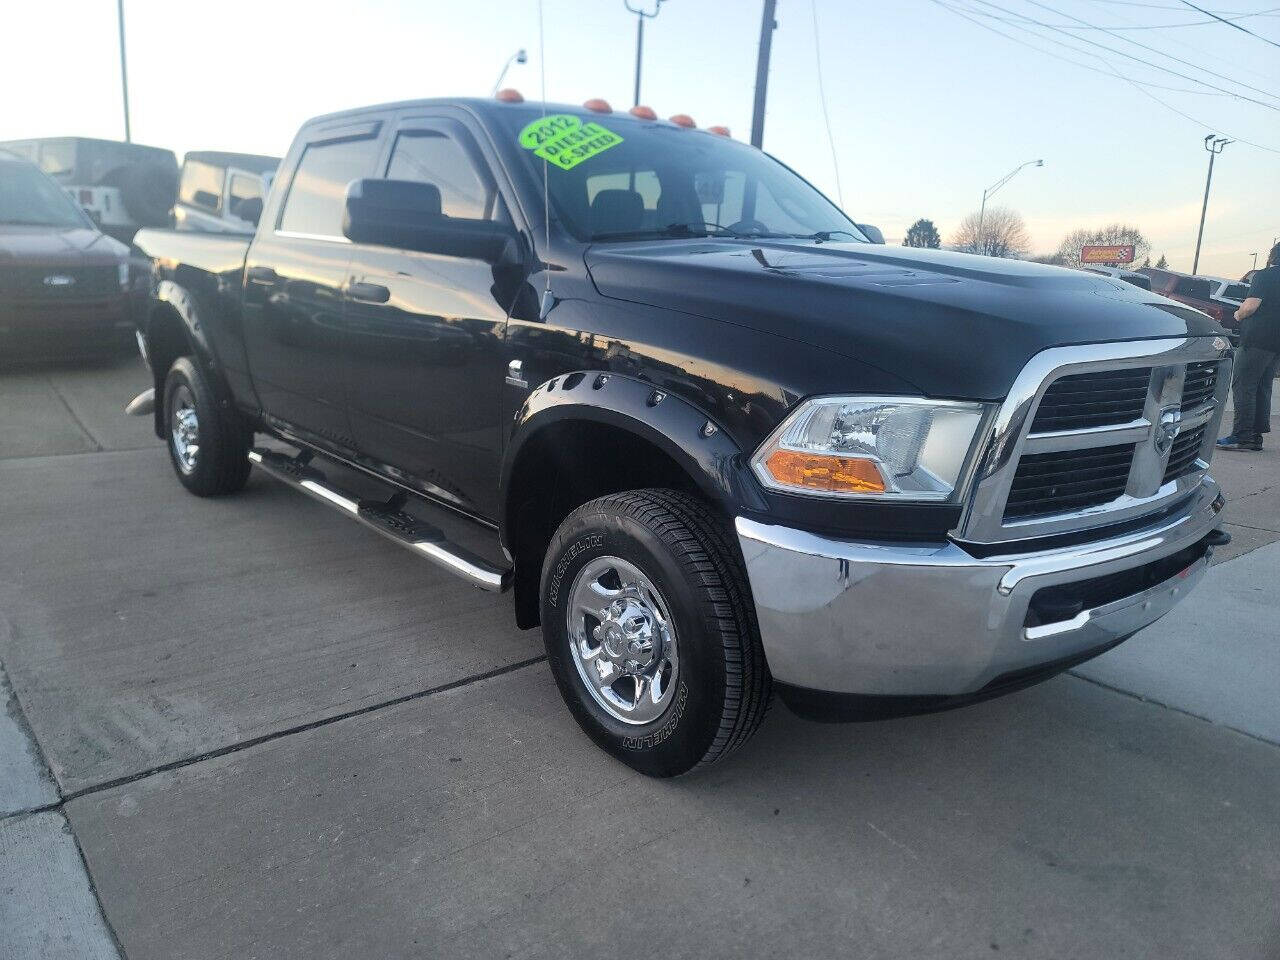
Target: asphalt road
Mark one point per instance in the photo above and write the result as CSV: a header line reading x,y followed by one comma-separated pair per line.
x,y
247,728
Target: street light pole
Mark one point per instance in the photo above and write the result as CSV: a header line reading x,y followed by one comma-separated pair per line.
x,y
1214,147
518,57
767,25
124,72
982,211
641,17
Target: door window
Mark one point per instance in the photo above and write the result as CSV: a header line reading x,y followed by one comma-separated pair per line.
x,y
316,196
427,156
201,185
244,188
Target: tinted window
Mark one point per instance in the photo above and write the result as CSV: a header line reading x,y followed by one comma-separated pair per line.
x,y
58,159
1236,291
244,188
434,158
658,176
28,197
1192,287
319,187
201,185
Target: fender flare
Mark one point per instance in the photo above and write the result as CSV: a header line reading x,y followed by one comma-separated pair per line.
x,y
184,306
688,435
180,300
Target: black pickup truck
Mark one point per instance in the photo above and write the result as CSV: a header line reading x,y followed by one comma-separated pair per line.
x,y
716,442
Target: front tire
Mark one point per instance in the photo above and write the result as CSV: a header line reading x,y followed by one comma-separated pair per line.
x,y
208,442
650,631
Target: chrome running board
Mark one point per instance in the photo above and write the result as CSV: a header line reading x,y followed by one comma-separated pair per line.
x,y
387,518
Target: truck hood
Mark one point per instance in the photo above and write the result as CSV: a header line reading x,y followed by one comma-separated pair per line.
x,y
36,246
952,324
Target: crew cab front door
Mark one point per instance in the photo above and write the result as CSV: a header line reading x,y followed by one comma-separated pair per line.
x,y
426,363
293,299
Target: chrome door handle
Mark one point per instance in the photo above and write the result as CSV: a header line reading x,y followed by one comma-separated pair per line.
x,y
515,374
368,292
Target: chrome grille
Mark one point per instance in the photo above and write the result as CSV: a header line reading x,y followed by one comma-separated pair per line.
x,y
1184,454
1082,400
1202,379
1098,434
1048,483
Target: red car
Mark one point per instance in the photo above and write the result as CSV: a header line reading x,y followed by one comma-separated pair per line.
x,y
64,284
1195,292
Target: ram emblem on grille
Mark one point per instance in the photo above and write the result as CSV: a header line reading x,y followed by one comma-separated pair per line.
x,y
1167,431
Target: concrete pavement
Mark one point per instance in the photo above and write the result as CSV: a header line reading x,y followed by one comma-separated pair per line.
x,y
272,734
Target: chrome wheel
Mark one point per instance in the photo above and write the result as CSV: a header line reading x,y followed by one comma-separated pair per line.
x,y
185,429
622,640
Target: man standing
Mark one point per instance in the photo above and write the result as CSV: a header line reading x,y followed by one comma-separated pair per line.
x,y
1257,359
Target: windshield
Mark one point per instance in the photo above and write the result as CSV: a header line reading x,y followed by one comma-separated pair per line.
x,y
660,181
29,197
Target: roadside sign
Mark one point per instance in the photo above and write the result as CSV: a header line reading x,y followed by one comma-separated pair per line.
x,y
1107,253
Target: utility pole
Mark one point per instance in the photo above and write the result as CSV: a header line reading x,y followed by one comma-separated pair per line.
x,y
641,17
1214,147
767,25
124,72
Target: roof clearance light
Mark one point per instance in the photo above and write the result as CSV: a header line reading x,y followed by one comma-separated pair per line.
x,y
722,131
596,105
644,113
509,95
683,120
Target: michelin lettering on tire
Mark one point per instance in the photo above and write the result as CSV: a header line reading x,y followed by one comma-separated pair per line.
x,y
594,541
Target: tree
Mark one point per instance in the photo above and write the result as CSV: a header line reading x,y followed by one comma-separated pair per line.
x,y
922,233
1112,233
1004,234
1162,263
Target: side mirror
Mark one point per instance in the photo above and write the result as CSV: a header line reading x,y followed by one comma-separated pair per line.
x,y
406,214
873,233
249,209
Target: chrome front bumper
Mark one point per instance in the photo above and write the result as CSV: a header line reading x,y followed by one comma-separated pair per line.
x,y
934,621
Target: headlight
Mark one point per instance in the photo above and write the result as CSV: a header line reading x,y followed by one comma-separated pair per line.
x,y
122,271
900,448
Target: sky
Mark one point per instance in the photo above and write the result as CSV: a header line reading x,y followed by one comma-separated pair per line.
x,y
926,108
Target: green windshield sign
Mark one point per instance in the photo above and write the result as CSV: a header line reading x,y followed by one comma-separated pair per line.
x,y
565,141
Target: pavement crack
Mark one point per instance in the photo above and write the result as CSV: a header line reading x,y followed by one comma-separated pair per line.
x,y
242,745
1168,706
97,444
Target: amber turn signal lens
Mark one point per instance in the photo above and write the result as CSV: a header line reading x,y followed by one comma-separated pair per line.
x,y
812,471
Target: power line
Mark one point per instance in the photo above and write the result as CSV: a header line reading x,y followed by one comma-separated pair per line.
x,y
1167,6
1138,85
1111,72
1198,51
1231,23
1019,23
1147,63
1153,26
1144,63
822,97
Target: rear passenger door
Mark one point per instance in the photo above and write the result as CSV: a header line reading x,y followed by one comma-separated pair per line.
x,y
426,332
294,280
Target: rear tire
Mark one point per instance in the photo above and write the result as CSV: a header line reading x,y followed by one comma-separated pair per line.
x,y
208,442
664,669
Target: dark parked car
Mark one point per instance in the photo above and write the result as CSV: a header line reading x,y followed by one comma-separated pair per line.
x,y
1198,292
716,442
63,283
122,186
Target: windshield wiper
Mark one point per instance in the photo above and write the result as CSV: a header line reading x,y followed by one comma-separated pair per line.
x,y
694,228
823,236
